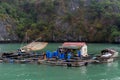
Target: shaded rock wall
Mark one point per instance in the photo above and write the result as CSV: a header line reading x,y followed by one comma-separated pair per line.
x,y
7,28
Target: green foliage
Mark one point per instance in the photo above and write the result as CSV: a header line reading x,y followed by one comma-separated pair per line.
x,y
92,20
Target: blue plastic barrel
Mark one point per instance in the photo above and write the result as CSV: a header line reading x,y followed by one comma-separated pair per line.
x,y
62,56
79,53
69,56
55,53
49,54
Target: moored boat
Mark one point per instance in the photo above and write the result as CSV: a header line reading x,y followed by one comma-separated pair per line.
x,y
107,55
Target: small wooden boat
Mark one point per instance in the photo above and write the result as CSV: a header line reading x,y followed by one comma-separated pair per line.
x,y
106,56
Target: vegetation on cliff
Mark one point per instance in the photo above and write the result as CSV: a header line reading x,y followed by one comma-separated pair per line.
x,y
64,20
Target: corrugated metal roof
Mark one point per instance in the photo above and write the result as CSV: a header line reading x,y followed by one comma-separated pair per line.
x,y
74,44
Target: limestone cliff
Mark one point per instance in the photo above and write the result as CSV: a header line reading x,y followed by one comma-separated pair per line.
x,y
60,20
7,29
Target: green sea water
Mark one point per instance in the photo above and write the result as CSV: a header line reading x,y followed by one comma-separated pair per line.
x,y
107,71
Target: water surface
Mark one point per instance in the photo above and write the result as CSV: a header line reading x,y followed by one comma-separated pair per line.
x,y
109,71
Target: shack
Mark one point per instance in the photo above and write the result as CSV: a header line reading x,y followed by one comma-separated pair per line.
x,y
69,50
80,46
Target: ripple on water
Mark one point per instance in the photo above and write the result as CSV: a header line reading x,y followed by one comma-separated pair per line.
x,y
28,79
117,78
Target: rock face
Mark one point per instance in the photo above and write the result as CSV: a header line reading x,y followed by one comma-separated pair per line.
x,y
7,30
60,20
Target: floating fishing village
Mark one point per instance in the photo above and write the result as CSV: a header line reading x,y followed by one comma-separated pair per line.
x,y
70,54
60,39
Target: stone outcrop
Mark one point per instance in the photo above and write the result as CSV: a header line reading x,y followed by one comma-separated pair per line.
x,y
7,28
